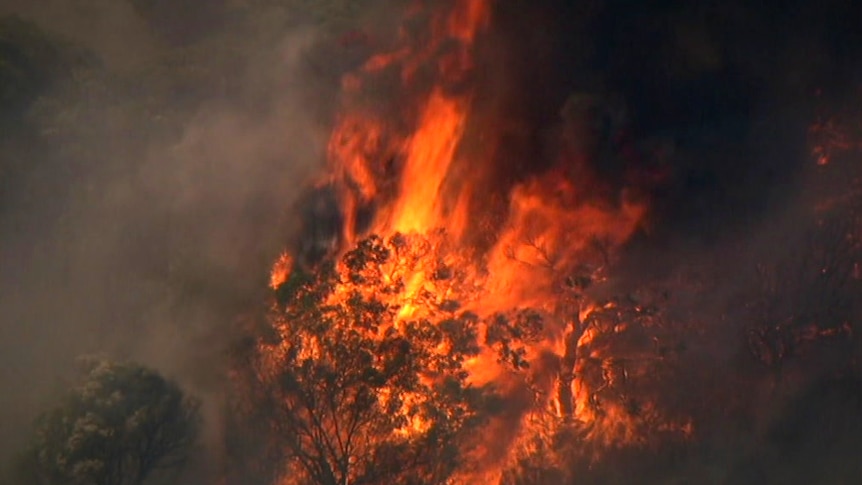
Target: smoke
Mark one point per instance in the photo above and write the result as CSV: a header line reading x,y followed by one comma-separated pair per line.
x,y
735,88
151,191
159,184
718,101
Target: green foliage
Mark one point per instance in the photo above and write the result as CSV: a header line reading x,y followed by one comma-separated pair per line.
x,y
121,424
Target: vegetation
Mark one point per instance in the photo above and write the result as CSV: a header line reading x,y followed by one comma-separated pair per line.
x,y
350,394
122,423
353,397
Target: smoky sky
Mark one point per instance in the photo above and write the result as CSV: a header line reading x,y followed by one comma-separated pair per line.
x,y
733,86
141,208
146,240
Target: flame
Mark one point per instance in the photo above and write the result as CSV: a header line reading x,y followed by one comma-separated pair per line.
x,y
429,155
553,227
280,270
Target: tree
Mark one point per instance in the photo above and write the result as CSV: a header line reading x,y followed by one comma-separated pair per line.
x,y
353,393
120,425
805,299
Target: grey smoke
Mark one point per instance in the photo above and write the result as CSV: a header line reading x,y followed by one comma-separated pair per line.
x,y
159,235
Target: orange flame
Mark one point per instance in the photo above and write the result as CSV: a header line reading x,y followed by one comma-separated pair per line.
x,y
429,155
280,271
552,226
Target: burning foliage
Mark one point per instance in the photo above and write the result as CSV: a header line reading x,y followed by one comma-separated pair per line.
x,y
554,242
807,297
447,314
431,329
355,393
387,357
399,350
805,304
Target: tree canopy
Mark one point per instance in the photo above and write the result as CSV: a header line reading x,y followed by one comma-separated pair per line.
x,y
355,394
121,424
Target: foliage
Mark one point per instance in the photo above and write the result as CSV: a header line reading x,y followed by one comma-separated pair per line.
x,y
807,296
353,393
118,427
616,392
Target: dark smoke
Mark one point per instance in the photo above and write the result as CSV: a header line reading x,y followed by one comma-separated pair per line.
x,y
141,228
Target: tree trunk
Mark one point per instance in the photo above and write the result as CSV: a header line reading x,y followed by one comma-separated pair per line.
x,y
567,371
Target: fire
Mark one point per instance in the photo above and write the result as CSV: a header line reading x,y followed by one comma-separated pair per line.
x,y
429,155
280,270
556,241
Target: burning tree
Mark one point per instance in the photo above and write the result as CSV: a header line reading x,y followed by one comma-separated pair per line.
x,y
375,370
611,393
355,391
383,357
807,296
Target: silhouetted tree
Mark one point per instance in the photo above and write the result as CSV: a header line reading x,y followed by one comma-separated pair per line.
x,y
807,296
120,425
